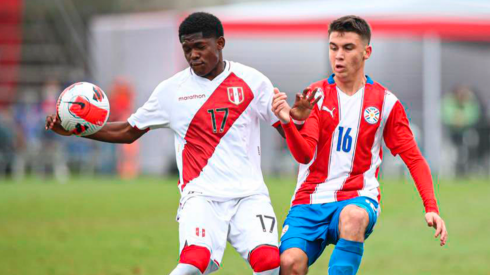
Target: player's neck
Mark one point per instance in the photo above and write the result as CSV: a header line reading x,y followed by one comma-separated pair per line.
x,y
217,70
350,86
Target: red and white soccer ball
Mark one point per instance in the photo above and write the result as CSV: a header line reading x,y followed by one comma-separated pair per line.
x,y
83,109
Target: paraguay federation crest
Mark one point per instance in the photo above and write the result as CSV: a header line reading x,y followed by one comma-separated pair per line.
x,y
371,115
236,95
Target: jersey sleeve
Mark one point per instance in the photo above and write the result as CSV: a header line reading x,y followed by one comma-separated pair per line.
x,y
264,102
302,143
420,171
155,113
397,134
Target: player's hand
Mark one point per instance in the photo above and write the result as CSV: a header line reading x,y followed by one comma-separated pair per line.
x,y
434,220
304,103
54,124
280,106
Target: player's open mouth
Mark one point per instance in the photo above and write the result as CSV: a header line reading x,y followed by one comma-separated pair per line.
x,y
339,67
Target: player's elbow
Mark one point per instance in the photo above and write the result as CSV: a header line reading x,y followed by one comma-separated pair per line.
x,y
303,158
131,134
130,139
306,160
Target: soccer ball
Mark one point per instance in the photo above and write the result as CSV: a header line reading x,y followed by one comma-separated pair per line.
x,y
83,109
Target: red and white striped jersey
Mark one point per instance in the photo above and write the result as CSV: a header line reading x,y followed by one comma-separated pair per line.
x,y
216,127
348,132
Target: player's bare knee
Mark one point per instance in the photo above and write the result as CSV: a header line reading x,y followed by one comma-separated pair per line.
x,y
353,220
264,257
197,256
292,263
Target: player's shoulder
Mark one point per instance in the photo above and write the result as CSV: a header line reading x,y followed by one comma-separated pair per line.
x,y
246,72
322,86
379,88
174,81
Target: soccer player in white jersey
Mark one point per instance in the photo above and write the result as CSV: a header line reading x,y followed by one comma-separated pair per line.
x,y
342,123
214,108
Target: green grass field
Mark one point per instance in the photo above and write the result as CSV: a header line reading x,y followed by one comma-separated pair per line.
x,y
107,226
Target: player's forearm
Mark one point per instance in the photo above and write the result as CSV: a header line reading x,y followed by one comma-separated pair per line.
x,y
420,171
117,132
301,148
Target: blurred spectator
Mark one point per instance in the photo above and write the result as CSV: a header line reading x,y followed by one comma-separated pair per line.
x,y
7,142
461,113
121,101
52,155
28,116
40,152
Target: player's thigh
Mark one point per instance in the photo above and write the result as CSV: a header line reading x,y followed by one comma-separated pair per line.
x,y
199,225
253,224
369,205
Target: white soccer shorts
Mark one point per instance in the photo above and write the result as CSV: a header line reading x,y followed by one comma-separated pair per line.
x,y
246,223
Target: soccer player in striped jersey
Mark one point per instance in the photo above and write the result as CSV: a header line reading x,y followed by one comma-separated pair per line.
x,y
343,121
214,108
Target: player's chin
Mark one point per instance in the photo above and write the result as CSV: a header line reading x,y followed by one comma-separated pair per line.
x,y
200,71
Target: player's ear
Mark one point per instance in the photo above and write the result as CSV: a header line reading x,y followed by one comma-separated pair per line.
x,y
368,50
220,42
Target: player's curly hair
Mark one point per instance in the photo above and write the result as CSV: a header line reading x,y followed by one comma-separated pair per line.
x,y
204,22
351,23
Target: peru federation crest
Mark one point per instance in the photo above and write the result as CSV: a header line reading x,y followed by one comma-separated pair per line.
x,y
371,115
236,95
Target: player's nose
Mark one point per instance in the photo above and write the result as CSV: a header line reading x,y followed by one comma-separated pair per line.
x,y
195,55
339,55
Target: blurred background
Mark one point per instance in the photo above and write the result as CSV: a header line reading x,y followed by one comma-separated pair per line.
x,y
434,55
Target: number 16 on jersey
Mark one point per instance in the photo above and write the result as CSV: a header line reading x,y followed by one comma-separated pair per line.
x,y
345,140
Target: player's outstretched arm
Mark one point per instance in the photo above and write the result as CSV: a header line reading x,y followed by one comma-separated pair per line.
x,y
420,171
112,132
302,148
434,220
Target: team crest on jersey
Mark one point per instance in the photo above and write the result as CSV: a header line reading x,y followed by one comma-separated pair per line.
x,y
371,115
236,95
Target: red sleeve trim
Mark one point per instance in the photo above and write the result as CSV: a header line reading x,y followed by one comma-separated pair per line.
x,y
276,124
420,171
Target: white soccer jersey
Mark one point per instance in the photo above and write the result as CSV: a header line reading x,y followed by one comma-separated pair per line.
x,y
216,127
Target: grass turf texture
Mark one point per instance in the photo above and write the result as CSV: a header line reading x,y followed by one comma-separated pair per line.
x,y
106,226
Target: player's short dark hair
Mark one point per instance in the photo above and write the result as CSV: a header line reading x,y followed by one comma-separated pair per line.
x,y
206,23
351,23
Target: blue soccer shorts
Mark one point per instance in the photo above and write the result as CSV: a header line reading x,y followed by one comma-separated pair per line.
x,y
311,227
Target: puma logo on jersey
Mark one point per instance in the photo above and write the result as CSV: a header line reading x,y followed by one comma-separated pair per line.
x,y
328,110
